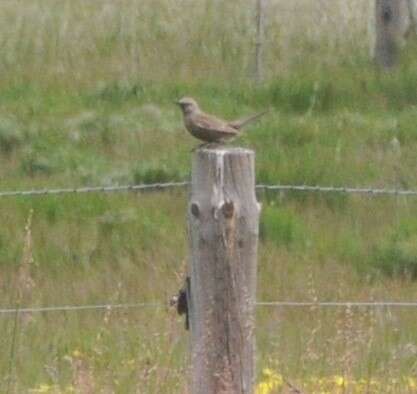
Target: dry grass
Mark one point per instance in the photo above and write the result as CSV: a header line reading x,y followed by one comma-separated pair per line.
x,y
145,350
105,40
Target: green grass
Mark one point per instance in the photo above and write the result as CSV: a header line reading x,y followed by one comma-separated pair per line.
x,y
86,99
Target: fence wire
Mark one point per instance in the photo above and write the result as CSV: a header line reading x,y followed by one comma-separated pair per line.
x,y
339,189
324,304
70,308
93,189
337,304
172,185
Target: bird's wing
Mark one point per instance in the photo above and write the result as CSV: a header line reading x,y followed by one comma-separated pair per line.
x,y
213,124
238,124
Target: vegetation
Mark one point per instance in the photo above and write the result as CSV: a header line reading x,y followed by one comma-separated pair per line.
x,y
86,99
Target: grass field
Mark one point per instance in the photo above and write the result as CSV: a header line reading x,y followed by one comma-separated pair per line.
x,y
86,99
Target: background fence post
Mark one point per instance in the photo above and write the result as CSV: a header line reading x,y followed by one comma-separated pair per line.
x,y
393,19
260,15
223,224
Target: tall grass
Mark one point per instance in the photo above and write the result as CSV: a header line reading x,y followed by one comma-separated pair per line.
x,y
79,42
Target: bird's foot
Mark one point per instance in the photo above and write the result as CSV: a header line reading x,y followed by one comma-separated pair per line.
x,y
198,147
212,145
208,145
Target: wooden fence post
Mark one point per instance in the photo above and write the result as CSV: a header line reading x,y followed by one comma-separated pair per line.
x,y
260,15
393,20
223,224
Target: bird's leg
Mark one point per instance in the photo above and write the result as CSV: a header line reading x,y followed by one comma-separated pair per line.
x,y
208,145
212,145
204,144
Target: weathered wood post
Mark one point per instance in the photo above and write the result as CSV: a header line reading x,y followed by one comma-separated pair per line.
x,y
223,223
260,15
393,20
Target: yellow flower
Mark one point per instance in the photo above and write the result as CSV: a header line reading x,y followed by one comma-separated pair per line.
x,y
267,372
273,381
76,353
263,388
412,383
339,381
43,388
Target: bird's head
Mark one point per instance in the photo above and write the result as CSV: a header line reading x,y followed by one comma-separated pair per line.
x,y
188,105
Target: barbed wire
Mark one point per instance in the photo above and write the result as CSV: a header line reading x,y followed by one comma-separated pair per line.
x,y
93,189
170,185
67,308
339,189
338,304
70,308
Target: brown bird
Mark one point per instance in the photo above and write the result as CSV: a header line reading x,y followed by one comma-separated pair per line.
x,y
209,128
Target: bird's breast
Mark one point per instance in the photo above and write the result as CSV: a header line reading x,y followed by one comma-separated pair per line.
x,y
199,132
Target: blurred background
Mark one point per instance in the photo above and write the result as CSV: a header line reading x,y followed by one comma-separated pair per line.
x,y
86,92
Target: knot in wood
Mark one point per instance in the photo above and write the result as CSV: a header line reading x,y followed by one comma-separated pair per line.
x,y
195,209
228,209
387,14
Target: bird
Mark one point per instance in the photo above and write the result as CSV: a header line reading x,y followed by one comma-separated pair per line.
x,y
209,128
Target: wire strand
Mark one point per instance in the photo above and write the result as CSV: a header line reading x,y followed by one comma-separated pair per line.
x,y
93,189
339,189
69,308
65,308
170,185
337,304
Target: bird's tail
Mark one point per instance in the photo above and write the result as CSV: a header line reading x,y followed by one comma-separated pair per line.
x,y
238,124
